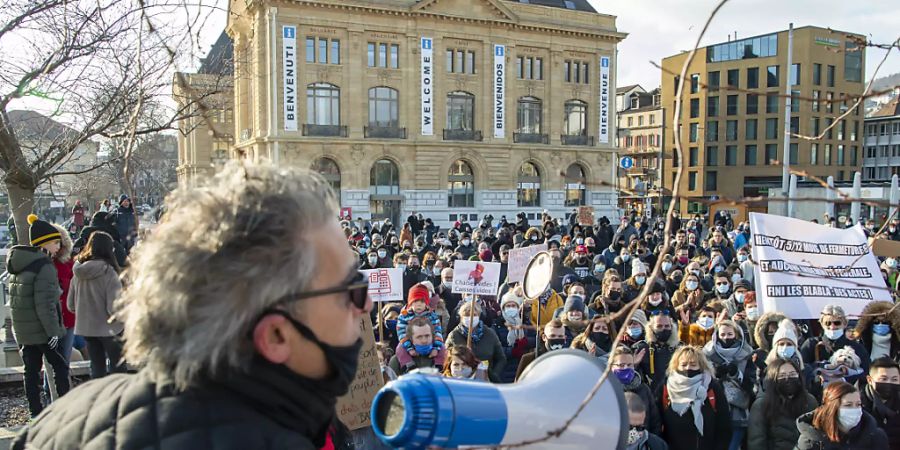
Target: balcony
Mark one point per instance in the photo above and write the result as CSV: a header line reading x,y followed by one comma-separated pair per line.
x,y
462,135
384,132
324,130
577,139
530,138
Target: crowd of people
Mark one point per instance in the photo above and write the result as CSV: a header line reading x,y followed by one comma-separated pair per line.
x,y
706,369
241,320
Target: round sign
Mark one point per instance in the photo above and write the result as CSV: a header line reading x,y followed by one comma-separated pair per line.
x,y
626,162
538,275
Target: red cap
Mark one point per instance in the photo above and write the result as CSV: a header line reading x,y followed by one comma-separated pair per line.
x,y
581,249
416,293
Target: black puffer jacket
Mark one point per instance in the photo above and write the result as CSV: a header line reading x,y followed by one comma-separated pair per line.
x,y
866,436
127,411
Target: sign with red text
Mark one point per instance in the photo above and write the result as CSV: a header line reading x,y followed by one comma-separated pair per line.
x,y
385,285
476,278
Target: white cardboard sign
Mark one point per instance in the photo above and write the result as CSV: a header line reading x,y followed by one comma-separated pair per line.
x,y
385,285
476,277
519,259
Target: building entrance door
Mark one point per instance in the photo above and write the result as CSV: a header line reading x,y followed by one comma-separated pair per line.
x,y
385,208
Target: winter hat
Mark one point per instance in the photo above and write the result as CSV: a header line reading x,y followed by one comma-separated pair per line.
x,y
568,279
581,249
743,284
511,297
640,317
574,303
486,255
41,232
637,266
417,293
428,286
123,197
786,330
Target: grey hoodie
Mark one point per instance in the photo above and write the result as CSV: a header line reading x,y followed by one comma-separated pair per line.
x,y
95,286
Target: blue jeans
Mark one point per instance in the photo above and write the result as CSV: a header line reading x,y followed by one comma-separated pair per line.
x,y
737,437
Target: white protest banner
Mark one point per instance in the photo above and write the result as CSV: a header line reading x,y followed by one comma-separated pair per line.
x,y
289,69
801,267
476,277
499,90
518,261
427,87
385,285
604,100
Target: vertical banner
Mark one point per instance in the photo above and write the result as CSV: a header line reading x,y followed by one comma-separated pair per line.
x,y
801,267
604,100
427,87
499,90
289,63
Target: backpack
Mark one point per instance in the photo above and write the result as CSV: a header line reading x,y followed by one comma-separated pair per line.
x,y
710,395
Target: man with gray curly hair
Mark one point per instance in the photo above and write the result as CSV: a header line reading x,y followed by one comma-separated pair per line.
x,y
243,311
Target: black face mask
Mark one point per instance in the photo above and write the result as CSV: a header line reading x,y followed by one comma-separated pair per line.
x,y
769,338
342,360
691,373
614,295
556,344
663,335
887,391
601,340
728,343
788,387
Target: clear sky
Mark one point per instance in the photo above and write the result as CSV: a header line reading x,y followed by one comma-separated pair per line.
x,y
660,28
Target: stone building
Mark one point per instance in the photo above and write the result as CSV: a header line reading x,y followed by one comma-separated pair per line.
x,y
451,108
640,135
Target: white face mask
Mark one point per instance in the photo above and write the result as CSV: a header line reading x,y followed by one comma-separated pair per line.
x,y
690,285
666,267
474,321
785,351
736,277
739,297
466,242
723,288
742,258
462,372
511,312
705,322
834,334
656,302
752,313
849,417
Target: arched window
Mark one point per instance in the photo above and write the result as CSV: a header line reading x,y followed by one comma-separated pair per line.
x,y
529,185
460,111
330,171
529,115
575,191
384,179
323,104
460,185
575,118
383,108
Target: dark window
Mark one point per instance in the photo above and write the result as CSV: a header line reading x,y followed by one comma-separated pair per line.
x,y
694,157
814,154
712,155
384,178
854,155
750,155
712,106
575,119
329,171
529,115
795,74
695,83
752,77
852,62
772,128
576,194
694,128
731,155
815,101
711,180
529,186
713,78
771,153
752,103
695,108
795,101
692,181
460,185
772,103
829,76
734,78
817,74
795,125
731,130
460,61
750,132
460,111
795,154
772,76
840,155
712,131
827,154
732,105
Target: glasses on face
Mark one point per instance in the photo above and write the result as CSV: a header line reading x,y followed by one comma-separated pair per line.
x,y
357,287
835,323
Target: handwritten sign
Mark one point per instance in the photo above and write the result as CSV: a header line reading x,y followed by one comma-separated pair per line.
x,y
476,277
585,215
801,267
518,261
353,408
385,285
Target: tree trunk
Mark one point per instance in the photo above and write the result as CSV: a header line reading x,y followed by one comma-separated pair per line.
x,y
21,202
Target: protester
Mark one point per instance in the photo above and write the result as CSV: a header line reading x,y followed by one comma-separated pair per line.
x,y
879,330
419,305
640,437
461,363
126,222
693,405
817,350
552,337
34,304
268,295
700,332
662,342
773,417
63,262
881,397
95,287
840,422
423,338
597,338
729,354
485,343
623,367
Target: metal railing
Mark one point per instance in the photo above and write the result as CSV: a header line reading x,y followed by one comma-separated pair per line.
x,y
531,138
577,139
384,132
462,135
324,130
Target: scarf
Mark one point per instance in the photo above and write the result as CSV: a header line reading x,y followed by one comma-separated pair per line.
x,y
545,297
476,336
881,346
514,334
690,393
295,402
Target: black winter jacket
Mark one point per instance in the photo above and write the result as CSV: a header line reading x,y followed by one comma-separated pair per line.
x,y
885,416
681,433
131,411
866,436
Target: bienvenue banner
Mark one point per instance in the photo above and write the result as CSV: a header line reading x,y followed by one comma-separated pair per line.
x,y
499,90
289,70
604,100
427,86
801,267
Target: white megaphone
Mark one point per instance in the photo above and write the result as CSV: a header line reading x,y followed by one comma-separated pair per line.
x,y
418,411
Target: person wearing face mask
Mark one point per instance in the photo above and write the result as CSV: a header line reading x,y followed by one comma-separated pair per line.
x,y
734,304
634,331
451,300
370,261
609,300
532,237
386,331
623,367
428,355
657,301
673,282
721,289
635,283
593,282
412,274
701,331
689,296
693,405
485,343
597,338
881,397
729,354
552,337
625,230
661,335
623,262
840,422
579,261
515,341
462,364
574,316
773,416
385,256
879,330
465,247
819,349
639,435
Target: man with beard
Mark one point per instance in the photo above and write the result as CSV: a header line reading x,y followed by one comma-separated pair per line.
x,y
581,262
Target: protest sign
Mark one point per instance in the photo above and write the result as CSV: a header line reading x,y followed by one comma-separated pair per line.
x,y
518,261
801,267
585,215
385,285
476,277
353,408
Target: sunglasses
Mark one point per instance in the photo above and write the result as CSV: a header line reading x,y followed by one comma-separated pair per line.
x,y
836,323
357,287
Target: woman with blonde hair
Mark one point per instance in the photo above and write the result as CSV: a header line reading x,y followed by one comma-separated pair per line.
x,y
693,406
840,422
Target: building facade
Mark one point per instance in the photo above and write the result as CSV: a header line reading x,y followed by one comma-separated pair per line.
x,y
640,136
733,113
882,144
451,108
